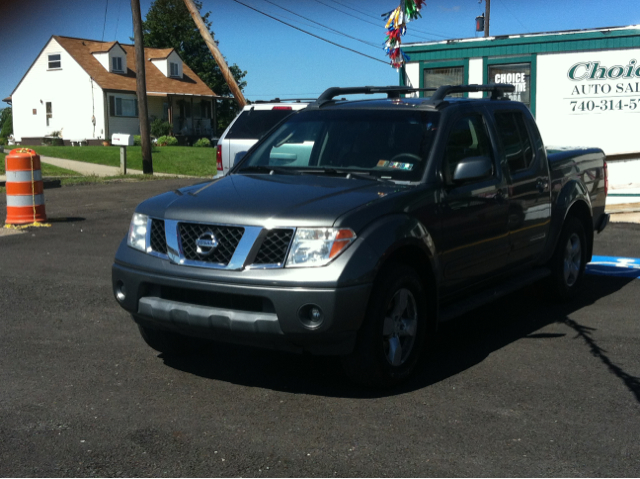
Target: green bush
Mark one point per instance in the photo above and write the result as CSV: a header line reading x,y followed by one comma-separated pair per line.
x,y
136,140
3,141
6,122
160,127
202,143
167,141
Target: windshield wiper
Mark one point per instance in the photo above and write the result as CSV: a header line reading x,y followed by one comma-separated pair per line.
x,y
265,169
362,175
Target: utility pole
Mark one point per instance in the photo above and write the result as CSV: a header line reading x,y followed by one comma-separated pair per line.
x,y
217,56
487,13
141,89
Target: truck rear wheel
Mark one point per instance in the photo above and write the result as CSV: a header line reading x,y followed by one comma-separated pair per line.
x,y
568,261
392,335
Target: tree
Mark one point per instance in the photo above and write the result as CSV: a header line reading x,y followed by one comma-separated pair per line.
x,y
169,25
6,122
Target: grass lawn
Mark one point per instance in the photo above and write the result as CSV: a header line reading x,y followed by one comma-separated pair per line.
x,y
179,160
47,170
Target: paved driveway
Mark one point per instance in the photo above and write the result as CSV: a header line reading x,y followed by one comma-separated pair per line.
x,y
518,388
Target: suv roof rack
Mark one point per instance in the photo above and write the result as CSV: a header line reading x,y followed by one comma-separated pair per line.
x,y
497,90
281,100
391,91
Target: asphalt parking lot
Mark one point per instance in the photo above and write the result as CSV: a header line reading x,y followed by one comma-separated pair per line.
x,y
518,388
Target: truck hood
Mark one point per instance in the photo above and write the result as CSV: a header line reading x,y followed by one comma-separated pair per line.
x,y
269,200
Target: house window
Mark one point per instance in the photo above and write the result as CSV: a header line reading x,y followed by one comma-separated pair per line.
x,y
116,64
517,74
127,107
49,114
54,61
173,69
436,77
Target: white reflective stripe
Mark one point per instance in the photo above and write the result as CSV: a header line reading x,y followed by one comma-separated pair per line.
x,y
20,176
25,200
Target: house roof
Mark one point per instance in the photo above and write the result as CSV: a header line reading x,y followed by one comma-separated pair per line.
x,y
82,51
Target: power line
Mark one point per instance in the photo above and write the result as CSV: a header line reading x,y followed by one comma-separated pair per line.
x,y
309,33
106,8
378,17
377,25
375,45
517,19
117,20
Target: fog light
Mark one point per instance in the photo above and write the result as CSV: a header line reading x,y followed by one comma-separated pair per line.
x,y
311,316
121,291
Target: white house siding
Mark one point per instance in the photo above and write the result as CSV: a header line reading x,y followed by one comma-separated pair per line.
x,y
590,112
412,74
161,65
475,75
70,117
121,124
103,58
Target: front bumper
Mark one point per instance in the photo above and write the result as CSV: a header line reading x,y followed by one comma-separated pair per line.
x,y
265,315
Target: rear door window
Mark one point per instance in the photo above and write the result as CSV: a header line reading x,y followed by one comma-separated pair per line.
x,y
468,138
253,124
515,140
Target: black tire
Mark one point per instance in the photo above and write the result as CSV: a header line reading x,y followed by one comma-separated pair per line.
x,y
166,341
375,361
569,260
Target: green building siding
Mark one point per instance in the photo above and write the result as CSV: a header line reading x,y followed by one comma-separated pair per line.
x,y
516,49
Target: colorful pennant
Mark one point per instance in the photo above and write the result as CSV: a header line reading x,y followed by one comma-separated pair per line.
x,y
397,26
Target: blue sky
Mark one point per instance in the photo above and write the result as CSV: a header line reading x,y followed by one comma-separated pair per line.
x,y
282,61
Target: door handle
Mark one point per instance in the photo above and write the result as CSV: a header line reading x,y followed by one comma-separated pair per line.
x,y
542,184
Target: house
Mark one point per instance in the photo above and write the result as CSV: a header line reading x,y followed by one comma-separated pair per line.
x,y
85,90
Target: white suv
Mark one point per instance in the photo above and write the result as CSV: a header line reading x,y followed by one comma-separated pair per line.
x,y
249,126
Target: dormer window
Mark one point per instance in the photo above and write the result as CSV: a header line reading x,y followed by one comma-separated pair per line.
x,y
173,69
116,64
54,61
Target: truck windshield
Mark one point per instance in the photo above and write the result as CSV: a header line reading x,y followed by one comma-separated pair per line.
x,y
391,144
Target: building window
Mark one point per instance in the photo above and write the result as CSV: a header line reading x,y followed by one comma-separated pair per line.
x,y
436,77
49,111
116,64
127,107
173,69
54,61
517,74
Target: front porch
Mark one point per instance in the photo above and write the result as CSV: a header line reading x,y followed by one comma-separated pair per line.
x,y
192,117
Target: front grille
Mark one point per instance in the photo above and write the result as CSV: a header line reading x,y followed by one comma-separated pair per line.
x,y
274,247
158,239
228,238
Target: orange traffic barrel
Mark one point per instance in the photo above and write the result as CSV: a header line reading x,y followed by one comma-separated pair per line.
x,y
25,197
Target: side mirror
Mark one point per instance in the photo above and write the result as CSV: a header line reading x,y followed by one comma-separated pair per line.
x,y
473,168
239,156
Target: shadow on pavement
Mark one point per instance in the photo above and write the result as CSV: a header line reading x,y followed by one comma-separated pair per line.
x,y
461,344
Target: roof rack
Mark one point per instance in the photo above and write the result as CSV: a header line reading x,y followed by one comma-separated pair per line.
x,y
281,100
497,90
391,91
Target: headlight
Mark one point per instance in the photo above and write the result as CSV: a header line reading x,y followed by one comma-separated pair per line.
x,y
318,246
138,232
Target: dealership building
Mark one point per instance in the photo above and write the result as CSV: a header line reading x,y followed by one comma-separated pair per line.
x,y
582,86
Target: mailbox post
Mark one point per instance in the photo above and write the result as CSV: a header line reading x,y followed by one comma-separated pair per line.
x,y
122,140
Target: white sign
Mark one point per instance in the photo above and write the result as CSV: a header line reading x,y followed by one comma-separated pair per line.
x,y
590,98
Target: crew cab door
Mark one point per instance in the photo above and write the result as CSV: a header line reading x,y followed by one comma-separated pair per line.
x,y
525,165
473,212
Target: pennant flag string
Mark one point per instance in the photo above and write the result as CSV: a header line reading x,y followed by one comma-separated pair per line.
x,y
396,25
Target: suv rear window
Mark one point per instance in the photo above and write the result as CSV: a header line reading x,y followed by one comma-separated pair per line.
x,y
253,124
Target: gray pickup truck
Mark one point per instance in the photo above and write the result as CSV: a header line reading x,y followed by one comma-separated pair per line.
x,y
354,227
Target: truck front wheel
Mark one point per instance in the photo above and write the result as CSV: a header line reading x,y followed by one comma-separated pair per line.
x,y
568,261
392,335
